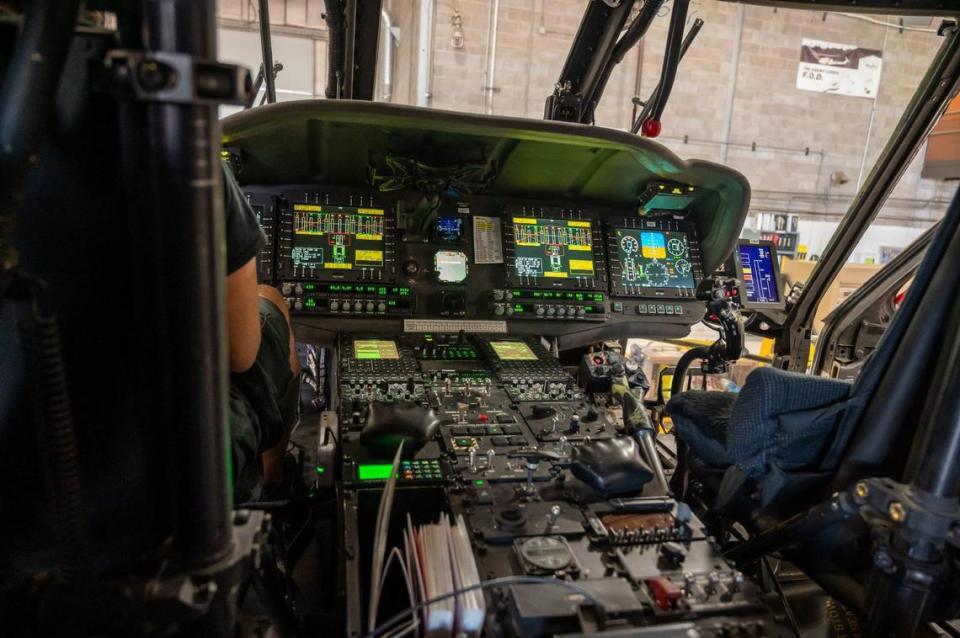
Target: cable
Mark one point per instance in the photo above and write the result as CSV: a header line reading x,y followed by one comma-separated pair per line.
x,y
494,582
882,23
783,598
408,581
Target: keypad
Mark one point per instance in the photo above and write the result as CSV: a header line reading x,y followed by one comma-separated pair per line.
x,y
420,470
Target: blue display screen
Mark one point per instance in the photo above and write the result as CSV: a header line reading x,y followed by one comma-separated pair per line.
x,y
449,228
759,275
654,258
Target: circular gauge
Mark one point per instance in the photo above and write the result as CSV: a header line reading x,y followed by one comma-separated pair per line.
x,y
548,553
677,247
682,266
656,274
629,245
450,266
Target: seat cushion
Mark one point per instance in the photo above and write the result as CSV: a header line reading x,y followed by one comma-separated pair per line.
x,y
780,421
701,419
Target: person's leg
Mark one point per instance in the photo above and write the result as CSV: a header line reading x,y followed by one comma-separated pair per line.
x,y
272,459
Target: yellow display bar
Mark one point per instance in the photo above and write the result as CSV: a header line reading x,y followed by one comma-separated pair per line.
x,y
370,211
524,220
557,275
370,256
335,266
578,224
581,264
371,237
581,248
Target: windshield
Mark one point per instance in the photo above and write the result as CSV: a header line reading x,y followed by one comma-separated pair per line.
x,y
800,102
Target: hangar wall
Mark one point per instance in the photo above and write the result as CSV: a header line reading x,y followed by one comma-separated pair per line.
x,y
735,99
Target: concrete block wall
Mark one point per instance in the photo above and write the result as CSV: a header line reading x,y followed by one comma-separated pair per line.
x,y
787,142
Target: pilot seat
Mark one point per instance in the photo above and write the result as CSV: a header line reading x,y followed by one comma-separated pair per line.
x,y
787,440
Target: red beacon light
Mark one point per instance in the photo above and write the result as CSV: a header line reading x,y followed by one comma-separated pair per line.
x,y
651,128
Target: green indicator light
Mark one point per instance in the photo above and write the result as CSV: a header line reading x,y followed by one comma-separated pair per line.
x,y
478,482
382,290
392,302
310,303
321,469
374,471
309,286
517,308
579,296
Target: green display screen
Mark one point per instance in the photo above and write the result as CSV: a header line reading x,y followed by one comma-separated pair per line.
x,y
375,349
513,351
669,201
374,471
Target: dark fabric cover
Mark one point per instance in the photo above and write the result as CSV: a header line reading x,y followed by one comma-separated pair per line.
x,y
611,466
701,420
780,422
783,419
389,424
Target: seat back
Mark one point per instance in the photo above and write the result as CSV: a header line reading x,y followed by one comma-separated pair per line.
x,y
874,436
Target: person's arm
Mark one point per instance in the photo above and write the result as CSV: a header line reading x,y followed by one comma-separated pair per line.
x,y
244,242
243,316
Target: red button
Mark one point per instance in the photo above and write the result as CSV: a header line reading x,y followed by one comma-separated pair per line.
x,y
483,418
667,595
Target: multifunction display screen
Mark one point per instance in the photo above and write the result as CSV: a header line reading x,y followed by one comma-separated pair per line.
x,y
337,237
449,229
375,350
654,258
553,248
513,351
758,275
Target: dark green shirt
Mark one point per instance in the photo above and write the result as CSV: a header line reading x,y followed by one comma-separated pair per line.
x,y
245,238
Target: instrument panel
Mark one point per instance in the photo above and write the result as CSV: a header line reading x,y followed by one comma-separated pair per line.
x,y
515,265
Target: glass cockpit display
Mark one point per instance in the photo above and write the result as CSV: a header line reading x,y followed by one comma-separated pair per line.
x,y
337,238
450,266
376,350
553,248
759,276
513,351
654,258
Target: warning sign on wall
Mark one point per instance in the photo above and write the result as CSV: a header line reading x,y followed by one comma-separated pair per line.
x,y
843,69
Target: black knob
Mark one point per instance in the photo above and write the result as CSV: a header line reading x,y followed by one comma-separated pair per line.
x,y
541,411
411,268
